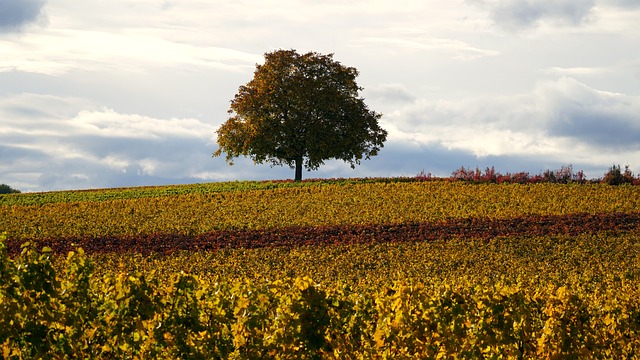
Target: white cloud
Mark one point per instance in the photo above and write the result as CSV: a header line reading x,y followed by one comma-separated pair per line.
x,y
617,17
577,71
110,124
459,50
554,119
55,52
119,35
96,147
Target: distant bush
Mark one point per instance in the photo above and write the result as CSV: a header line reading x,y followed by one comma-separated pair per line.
x,y
564,175
424,176
476,175
6,189
615,176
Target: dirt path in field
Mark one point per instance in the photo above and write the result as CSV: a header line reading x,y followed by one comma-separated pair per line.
x,y
481,228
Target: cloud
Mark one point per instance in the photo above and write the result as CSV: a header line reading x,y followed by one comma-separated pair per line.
x,y
524,14
51,142
392,93
59,51
605,120
456,49
16,14
557,119
632,4
577,71
406,159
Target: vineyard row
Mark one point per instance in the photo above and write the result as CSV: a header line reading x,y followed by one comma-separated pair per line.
x,y
48,314
477,228
349,204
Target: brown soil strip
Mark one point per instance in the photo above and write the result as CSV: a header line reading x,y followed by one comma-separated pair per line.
x,y
478,228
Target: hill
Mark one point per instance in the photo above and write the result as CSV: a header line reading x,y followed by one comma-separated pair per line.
x,y
359,267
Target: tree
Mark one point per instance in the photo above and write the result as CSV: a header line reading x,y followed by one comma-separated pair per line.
x,y
300,110
6,189
615,176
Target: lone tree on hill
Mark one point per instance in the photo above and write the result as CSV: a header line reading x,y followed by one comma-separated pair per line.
x,y
300,110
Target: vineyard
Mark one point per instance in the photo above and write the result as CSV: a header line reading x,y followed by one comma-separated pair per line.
x,y
347,269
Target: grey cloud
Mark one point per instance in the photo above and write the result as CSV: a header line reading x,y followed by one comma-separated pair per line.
x,y
523,14
400,159
603,129
606,128
624,3
15,14
16,159
33,108
74,175
389,93
91,163
46,147
602,119
165,158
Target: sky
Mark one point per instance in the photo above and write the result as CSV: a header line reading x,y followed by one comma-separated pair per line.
x,y
98,94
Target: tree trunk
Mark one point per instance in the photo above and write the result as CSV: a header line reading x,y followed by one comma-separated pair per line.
x,y
298,169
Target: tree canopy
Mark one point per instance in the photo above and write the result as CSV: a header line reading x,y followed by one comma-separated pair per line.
x,y
6,189
300,110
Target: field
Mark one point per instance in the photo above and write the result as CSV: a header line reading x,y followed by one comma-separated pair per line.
x,y
354,269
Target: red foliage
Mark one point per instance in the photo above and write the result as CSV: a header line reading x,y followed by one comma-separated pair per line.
x,y
564,175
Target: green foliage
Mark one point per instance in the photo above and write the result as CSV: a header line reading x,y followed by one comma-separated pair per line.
x,y
144,192
6,189
40,313
301,108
